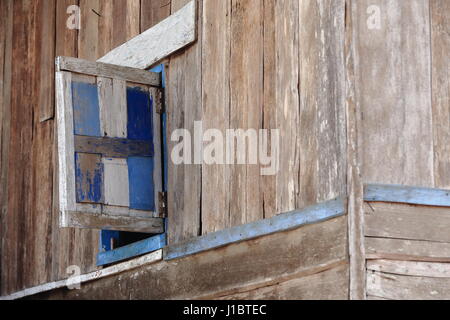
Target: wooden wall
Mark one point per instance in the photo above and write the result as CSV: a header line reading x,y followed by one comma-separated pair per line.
x,y
260,64
407,251
33,248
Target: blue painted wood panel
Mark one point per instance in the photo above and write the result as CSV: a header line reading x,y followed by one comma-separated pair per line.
x,y
135,249
139,111
89,177
86,111
105,239
141,186
282,222
407,194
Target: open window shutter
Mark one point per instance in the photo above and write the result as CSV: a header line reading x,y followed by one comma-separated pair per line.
x,y
109,146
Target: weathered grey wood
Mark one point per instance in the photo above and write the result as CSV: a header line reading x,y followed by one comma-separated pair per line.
x,y
411,268
393,65
330,284
119,223
156,96
113,147
400,249
440,86
116,186
249,264
401,287
354,166
158,42
385,220
107,70
113,107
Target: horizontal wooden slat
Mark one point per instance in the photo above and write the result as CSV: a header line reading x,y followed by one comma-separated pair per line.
x,y
118,223
330,284
282,222
108,70
400,249
401,221
113,147
406,194
161,40
401,287
411,268
224,271
132,250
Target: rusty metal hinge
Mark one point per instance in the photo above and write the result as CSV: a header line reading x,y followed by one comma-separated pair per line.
x,y
162,204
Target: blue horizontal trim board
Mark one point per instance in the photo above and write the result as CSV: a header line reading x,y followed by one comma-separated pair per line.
x,y
282,222
407,194
132,250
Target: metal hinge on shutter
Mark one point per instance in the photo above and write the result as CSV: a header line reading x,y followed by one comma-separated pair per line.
x,y
160,106
162,204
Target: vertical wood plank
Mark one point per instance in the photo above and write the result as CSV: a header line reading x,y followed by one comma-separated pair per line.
x,y
393,89
6,14
113,107
287,94
154,11
89,178
88,37
322,105
440,48
246,99
268,183
216,109
105,27
116,182
155,95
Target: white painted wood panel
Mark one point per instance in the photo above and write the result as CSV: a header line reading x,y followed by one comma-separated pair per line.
x,y
113,107
116,182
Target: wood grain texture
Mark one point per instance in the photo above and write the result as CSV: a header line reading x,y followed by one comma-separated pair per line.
x,y
184,95
288,97
440,86
385,220
108,70
88,35
246,93
154,11
403,287
393,69
216,109
322,133
330,284
156,43
113,107
399,249
113,147
411,268
250,264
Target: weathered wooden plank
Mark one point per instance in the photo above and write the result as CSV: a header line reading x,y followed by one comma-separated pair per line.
x,y
282,222
158,42
407,194
113,147
401,287
86,110
88,34
140,177
107,70
248,264
411,268
153,12
116,186
407,222
246,93
133,16
268,182
440,86
139,113
156,98
215,109
399,249
113,107
288,97
6,23
132,250
184,97
46,43
320,122
106,272
392,54
89,178
330,284
118,223
105,27
354,166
